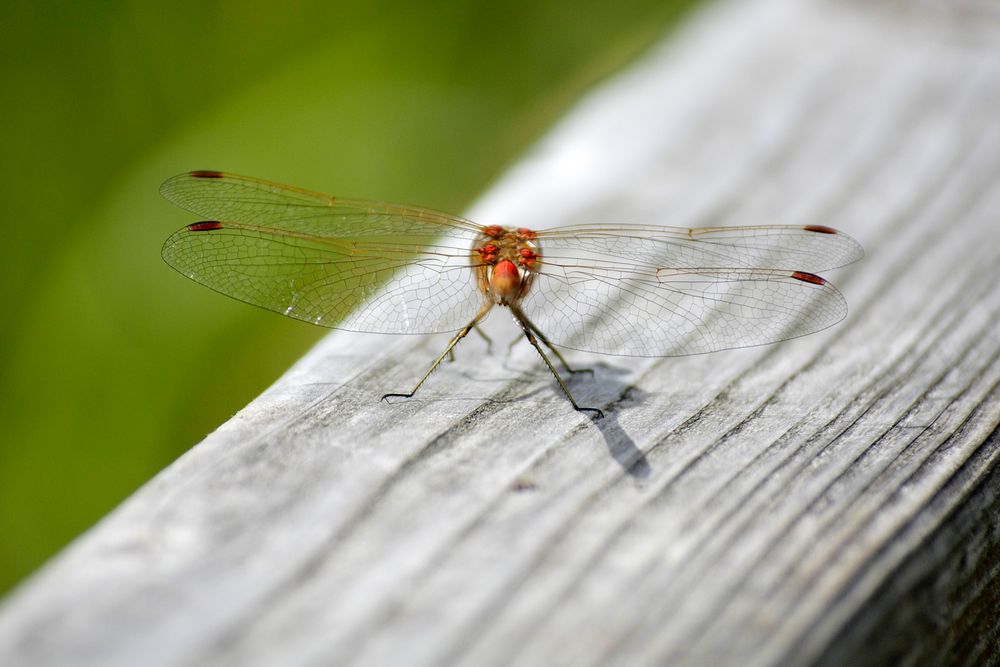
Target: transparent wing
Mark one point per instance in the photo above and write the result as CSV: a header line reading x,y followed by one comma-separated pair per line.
x,y
356,265
619,289
800,248
228,197
650,291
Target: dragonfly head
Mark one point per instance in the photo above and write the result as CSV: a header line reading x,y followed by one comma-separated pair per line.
x,y
506,260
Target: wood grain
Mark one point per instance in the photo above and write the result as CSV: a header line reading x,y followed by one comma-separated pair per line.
x,y
832,499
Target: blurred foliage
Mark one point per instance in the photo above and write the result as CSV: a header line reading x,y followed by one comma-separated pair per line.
x,y
112,364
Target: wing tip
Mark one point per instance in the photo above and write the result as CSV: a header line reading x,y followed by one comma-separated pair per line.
x,y
807,277
177,189
168,185
205,173
820,229
858,251
204,226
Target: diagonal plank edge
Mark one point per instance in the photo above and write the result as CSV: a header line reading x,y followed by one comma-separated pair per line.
x,y
911,617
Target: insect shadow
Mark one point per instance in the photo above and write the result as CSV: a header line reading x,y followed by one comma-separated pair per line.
x,y
620,445
606,387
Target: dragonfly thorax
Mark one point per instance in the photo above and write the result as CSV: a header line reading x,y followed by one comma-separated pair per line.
x,y
505,260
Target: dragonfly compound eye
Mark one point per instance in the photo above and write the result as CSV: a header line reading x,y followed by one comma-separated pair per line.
x,y
488,253
528,256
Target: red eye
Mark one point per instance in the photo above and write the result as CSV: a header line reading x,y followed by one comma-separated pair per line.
x,y
527,256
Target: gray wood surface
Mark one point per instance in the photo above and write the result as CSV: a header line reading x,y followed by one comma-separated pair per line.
x,y
825,500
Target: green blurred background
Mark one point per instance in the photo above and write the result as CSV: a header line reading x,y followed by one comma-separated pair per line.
x,y
112,364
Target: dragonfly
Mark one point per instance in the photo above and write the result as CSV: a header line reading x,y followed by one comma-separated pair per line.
x,y
620,289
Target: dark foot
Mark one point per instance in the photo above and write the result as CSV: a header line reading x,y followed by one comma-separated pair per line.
x,y
386,397
597,413
574,371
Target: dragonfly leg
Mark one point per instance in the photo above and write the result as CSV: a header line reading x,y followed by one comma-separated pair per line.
x,y
538,334
462,333
482,334
531,334
554,351
489,341
510,348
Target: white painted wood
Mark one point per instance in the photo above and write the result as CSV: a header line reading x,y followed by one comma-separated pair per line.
x,y
832,499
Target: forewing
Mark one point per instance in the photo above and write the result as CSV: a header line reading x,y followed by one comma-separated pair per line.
x,y
708,297
347,264
228,197
799,248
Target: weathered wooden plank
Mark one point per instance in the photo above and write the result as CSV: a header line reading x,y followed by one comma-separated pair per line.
x,y
829,499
